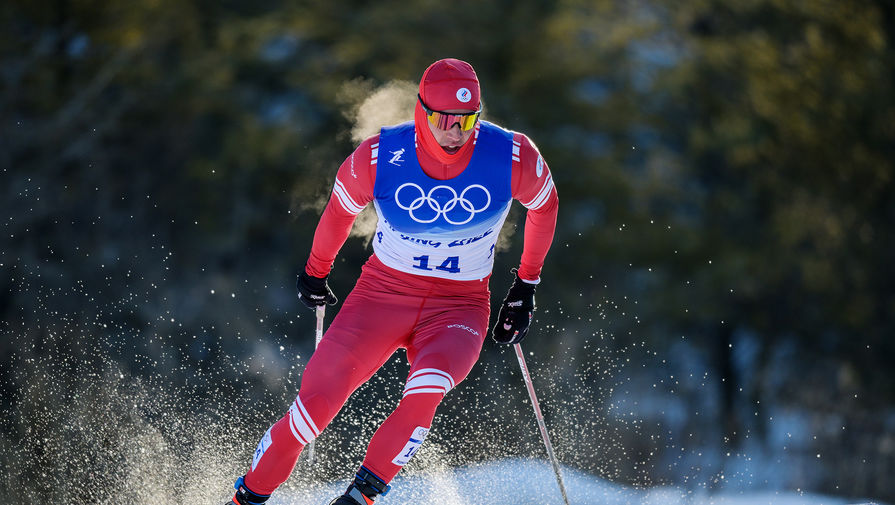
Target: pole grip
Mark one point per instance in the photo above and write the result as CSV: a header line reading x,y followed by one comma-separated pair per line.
x,y
318,334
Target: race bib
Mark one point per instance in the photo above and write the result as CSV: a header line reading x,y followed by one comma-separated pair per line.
x,y
412,445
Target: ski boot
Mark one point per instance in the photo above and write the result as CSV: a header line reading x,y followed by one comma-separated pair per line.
x,y
245,497
365,488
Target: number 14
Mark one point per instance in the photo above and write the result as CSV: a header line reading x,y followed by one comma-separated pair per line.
x,y
451,264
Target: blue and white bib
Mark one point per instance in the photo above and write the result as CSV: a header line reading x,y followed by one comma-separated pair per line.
x,y
436,228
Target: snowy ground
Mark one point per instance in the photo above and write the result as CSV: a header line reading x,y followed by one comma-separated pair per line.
x,y
524,482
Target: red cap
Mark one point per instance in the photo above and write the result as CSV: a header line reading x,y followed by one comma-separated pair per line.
x,y
450,84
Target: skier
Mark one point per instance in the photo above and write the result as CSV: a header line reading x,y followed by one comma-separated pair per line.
x,y
441,186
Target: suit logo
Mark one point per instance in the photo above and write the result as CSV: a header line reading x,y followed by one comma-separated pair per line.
x,y
396,157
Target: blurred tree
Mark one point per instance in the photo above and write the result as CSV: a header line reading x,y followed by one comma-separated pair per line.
x,y
790,148
787,156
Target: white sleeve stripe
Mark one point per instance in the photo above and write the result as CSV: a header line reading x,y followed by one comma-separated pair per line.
x,y
543,199
341,190
343,203
348,205
542,195
345,199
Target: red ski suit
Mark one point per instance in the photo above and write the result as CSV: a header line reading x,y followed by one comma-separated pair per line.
x,y
441,322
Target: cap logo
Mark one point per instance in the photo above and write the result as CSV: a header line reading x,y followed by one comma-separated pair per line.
x,y
464,95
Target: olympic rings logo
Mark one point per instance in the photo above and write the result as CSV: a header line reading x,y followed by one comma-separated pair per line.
x,y
441,208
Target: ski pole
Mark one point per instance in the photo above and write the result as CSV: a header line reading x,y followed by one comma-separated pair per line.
x,y
318,336
540,417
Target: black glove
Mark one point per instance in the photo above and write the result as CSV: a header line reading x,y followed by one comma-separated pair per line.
x,y
515,313
314,291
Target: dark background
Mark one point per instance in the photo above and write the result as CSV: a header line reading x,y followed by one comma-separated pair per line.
x,y
716,311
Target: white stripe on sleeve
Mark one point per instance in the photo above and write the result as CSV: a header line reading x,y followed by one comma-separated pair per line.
x,y
542,195
345,199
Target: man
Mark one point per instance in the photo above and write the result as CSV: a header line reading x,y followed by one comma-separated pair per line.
x,y
441,185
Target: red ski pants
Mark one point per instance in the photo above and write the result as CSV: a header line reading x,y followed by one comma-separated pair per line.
x,y
442,325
